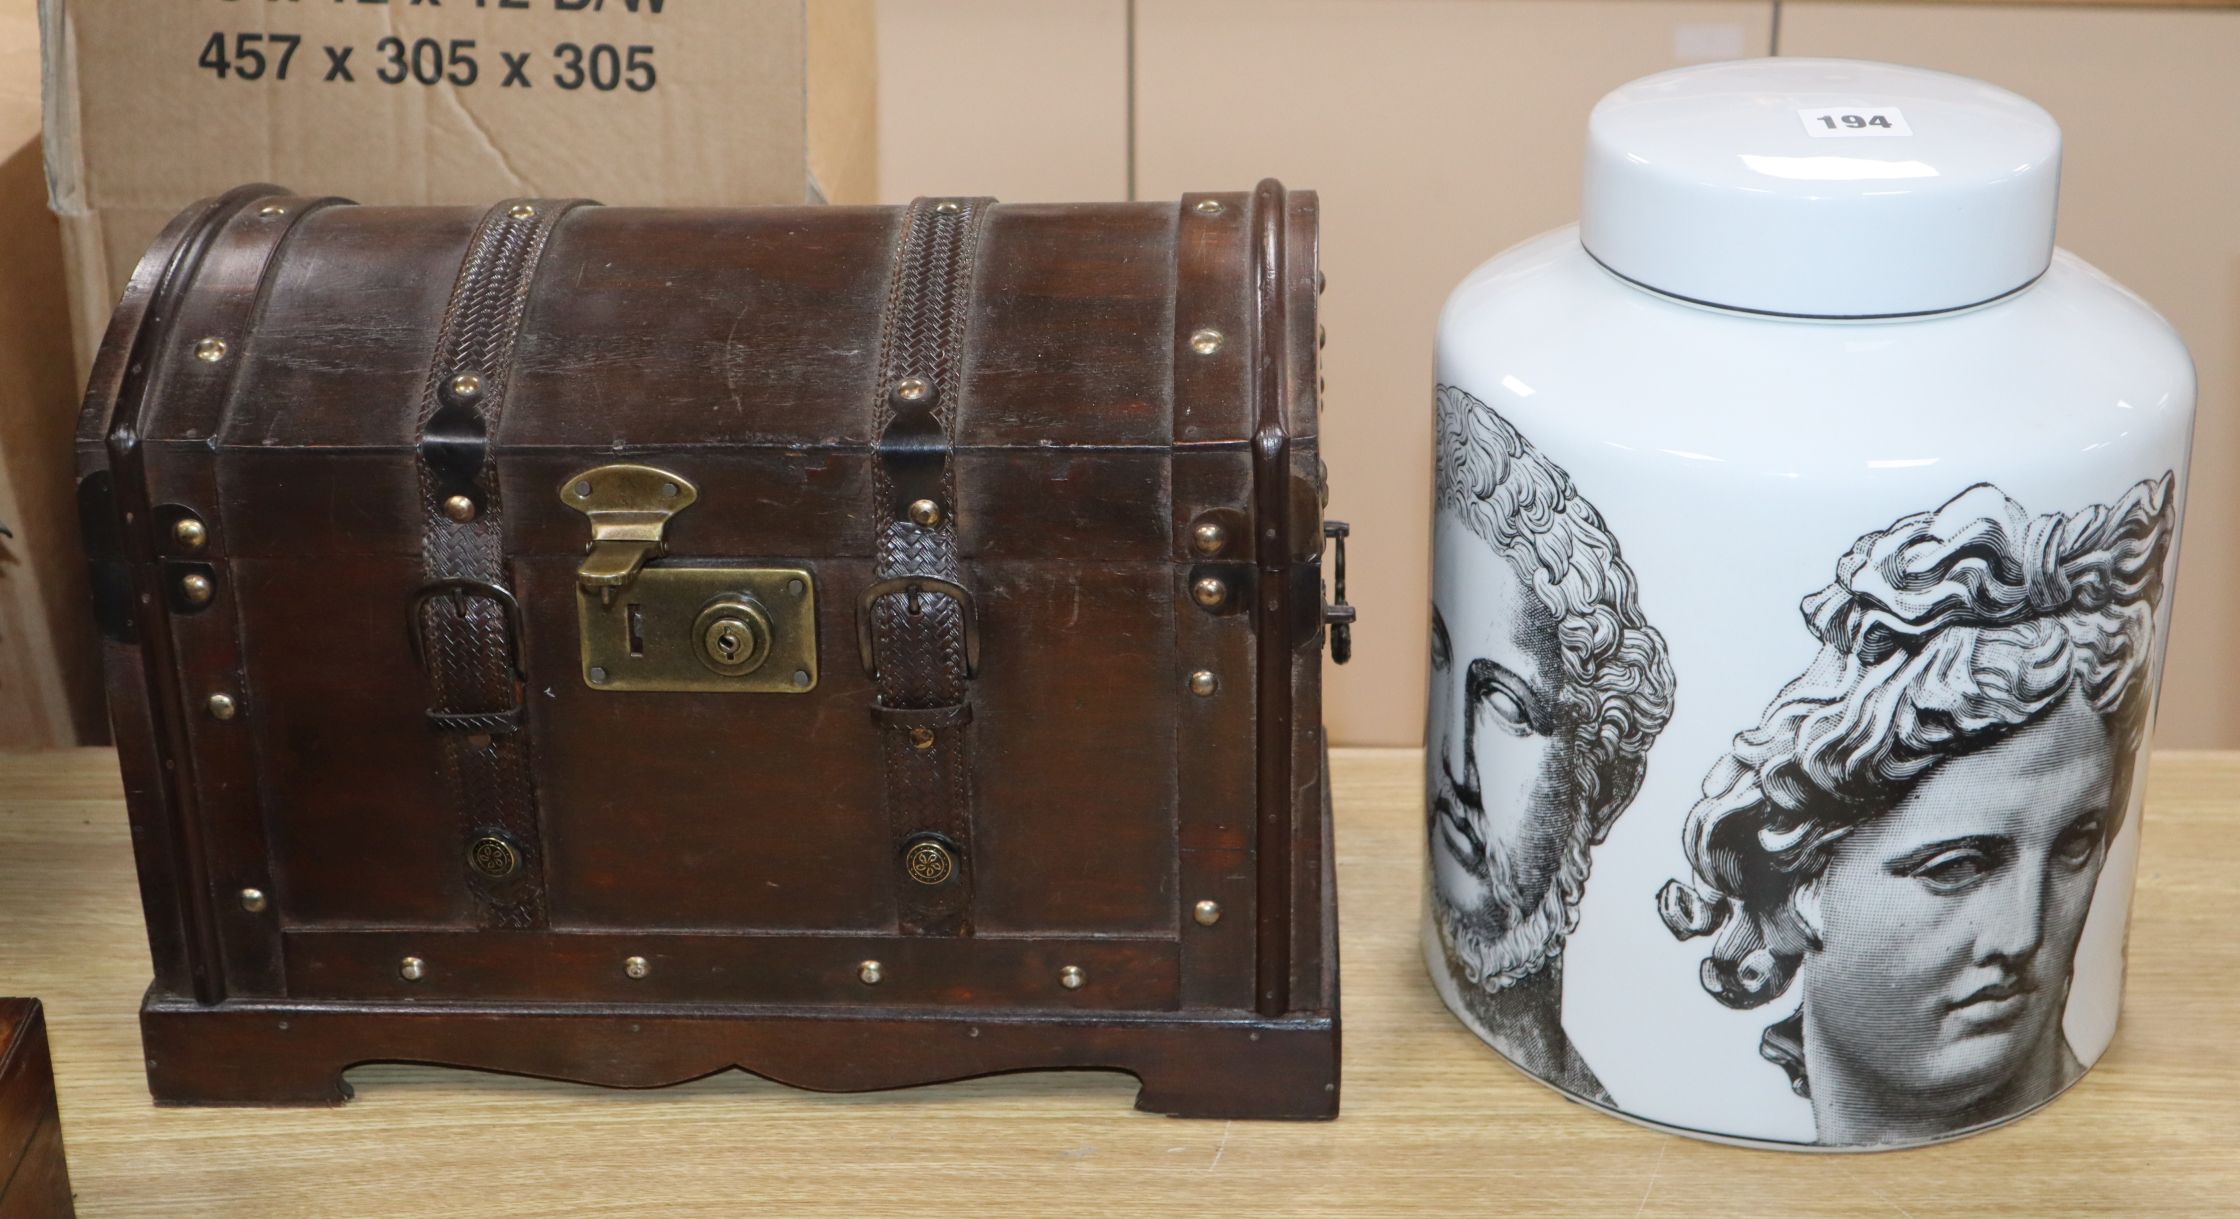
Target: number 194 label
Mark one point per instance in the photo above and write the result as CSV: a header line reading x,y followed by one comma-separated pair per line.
x,y
1845,121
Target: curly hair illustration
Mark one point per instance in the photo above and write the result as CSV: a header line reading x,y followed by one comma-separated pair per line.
x,y
1939,636
1616,685
1617,688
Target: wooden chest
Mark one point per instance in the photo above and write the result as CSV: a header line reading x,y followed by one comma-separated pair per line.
x,y
34,1181
867,646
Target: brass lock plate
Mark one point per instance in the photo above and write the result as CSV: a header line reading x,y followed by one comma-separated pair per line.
x,y
703,629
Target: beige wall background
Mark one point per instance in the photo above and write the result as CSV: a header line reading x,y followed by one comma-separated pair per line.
x,y
1439,132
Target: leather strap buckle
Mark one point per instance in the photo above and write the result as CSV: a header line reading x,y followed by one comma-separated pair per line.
x,y
504,719
866,645
491,723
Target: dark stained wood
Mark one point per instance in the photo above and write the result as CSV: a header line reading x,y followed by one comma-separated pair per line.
x,y
34,1180
351,783
1216,735
1085,497
1214,744
117,490
1074,769
739,843
1273,493
734,818
719,329
1190,1065
353,323
996,972
189,397
1069,347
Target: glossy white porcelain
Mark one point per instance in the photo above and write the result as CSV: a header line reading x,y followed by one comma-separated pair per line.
x,y
1821,187
1792,684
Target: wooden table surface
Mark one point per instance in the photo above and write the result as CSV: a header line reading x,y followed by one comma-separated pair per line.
x,y
1433,1122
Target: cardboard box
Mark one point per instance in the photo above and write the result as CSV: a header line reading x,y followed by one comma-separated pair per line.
x,y
152,104
50,673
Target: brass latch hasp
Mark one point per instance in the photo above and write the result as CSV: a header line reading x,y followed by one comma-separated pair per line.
x,y
690,626
629,506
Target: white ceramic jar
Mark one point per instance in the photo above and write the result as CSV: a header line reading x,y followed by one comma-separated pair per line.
x,y
1802,560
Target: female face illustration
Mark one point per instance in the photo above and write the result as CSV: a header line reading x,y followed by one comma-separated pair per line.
x,y
1948,925
1913,831
1503,804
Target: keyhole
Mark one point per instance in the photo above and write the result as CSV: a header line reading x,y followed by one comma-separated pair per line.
x,y
733,638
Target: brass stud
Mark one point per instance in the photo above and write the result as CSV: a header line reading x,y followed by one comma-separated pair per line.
x,y
869,973
196,588
252,900
948,207
522,211
1203,683
929,862
635,967
921,738
412,969
1207,207
1209,537
1210,592
913,389
459,508
210,351
467,386
272,209
925,512
1207,912
1072,978
1205,342
493,857
190,533
221,706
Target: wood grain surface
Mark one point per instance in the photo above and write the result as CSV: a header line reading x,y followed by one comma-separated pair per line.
x,y
1433,1122
34,1178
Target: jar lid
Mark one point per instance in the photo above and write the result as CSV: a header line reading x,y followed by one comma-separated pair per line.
x,y
1821,187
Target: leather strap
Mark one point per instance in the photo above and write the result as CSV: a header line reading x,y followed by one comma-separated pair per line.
x,y
466,625
923,637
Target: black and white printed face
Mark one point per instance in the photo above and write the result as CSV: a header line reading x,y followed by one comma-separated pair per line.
x,y
1503,802
1949,925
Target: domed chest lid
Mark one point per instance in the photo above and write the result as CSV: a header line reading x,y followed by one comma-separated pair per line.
x,y
1821,187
